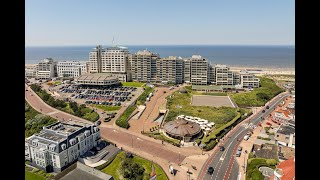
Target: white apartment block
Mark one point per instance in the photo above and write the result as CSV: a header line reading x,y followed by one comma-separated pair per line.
x,y
143,65
223,75
249,80
111,60
30,70
46,69
198,70
170,70
60,144
71,68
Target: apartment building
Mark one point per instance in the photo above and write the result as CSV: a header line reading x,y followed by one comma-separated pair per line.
x,y
60,144
71,68
249,80
198,68
223,75
211,75
30,70
170,70
46,69
111,60
143,65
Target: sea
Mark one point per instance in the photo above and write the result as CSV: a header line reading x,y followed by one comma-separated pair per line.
x,y
231,55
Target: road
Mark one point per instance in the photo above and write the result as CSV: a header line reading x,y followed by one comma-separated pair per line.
x,y
223,162
136,143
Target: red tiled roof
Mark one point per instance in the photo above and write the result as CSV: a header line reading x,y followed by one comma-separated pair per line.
x,y
288,169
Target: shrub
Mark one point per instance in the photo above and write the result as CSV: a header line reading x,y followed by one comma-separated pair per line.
x,y
122,121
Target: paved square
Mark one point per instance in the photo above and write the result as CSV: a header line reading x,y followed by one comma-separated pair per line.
x,y
215,101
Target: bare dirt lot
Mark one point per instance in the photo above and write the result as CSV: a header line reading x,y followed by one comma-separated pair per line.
x,y
216,101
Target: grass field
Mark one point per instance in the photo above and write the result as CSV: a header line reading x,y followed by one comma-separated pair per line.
x,y
114,167
33,176
218,115
253,172
259,96
132,84
108,108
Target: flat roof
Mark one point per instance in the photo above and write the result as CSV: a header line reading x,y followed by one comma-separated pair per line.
x,y
287,130
96,77
212,87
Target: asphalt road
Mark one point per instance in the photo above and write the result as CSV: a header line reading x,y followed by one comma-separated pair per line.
x,y
224,163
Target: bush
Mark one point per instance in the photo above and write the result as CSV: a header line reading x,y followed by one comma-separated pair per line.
x,y
122,121
271,162
142,98
259,96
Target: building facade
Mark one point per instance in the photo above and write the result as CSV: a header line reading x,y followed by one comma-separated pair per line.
x,y
71,68
97,79
198,70
111,60
46,69
143,66
170,70
249,80
223,75
60,144
30,70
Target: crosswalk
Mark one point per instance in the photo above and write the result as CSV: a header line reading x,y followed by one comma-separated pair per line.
x,y
249,125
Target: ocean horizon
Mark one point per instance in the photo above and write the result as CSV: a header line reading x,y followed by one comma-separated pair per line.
x,y
269,56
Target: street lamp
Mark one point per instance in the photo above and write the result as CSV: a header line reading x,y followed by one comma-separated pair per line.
x,y
179,158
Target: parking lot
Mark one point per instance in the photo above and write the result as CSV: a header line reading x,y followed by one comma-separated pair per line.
x,y
112,95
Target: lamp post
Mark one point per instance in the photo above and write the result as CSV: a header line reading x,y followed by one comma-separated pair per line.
x,y
179,158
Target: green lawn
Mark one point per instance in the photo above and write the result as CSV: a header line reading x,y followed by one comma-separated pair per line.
x,y
259,96
108,108
132,84
253,165
218,115
33,176
57,83
114,167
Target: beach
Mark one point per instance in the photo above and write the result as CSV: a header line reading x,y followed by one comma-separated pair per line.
x,y
265,70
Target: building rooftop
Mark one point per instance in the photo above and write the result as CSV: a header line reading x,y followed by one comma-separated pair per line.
x,y
181,127
267,151
287,169
96,77
286,130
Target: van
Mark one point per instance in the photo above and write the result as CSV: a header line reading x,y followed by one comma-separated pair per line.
x,y
246,137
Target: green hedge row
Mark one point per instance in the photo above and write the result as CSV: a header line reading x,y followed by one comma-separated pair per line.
x,y
122,121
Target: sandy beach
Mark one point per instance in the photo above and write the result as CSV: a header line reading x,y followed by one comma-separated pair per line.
x,y
265,70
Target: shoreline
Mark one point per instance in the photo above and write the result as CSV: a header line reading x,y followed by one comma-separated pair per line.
x,y
265,70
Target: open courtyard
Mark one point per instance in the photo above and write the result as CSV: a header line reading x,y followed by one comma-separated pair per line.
x,y
215,101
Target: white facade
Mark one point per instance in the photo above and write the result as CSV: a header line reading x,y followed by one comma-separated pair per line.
x,y
46,69
30,70
111,60
249,80
71,68
60,144
223,75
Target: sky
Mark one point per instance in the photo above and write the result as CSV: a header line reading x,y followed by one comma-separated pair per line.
x,y
159,22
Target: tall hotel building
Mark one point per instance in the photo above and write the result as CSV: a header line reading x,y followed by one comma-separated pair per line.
x,y
143,66
113,60
71,68
170,70
60,144
196,70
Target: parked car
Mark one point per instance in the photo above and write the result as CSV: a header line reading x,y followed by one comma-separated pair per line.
x,y
221,148
210,170
246,137
238,153
267,107
263,111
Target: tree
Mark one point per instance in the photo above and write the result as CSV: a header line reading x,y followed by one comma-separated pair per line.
x,y
263,96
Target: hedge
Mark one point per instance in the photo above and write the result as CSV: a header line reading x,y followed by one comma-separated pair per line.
x,y
122,121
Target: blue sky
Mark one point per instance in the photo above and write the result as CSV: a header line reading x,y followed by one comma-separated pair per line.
x,y
159,22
